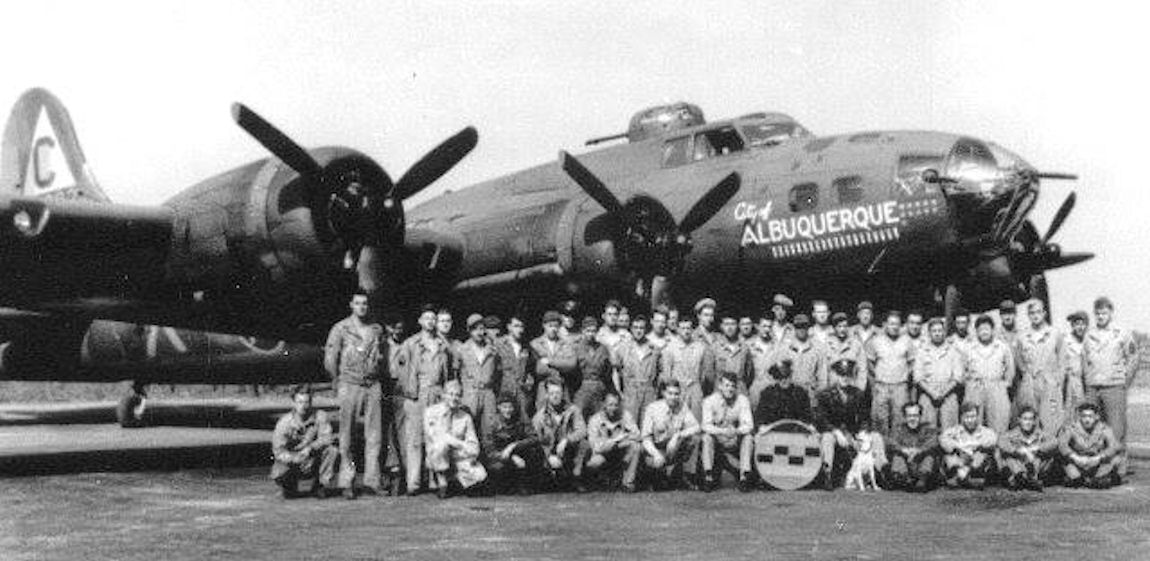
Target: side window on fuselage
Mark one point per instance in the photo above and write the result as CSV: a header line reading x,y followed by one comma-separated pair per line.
x,y
850,189
676,152
804,196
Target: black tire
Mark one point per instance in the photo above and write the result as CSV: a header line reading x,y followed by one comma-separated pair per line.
x,y
126,411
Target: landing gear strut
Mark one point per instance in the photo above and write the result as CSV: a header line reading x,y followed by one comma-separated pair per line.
x,y
130,410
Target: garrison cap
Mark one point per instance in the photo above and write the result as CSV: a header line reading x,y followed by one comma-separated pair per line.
x,y
473,320
704,303
839,316
1008,306
865,305
552,316
1103,302
783,300
802,321
1078,316
491,322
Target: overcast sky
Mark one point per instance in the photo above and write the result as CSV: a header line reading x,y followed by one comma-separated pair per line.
x,y
149,85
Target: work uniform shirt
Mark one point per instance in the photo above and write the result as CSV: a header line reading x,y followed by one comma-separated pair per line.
x,y
734,358
429,362
479,367
958,438
551,349
611,338
518,365
763,356
1101,440
1010,337
782,333
890,358
660,422
705,335
1109,356
822,333
692,364
1013,440
601,429
843,408
777,403
808,364
865,334
593,363
1072,360
658,342
720,413
638,365
993,363
396,365
938,368
294,433
962,343
1040,354
354,354
553,425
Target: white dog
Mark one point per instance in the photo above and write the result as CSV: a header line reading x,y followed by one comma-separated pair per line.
x,y
862,467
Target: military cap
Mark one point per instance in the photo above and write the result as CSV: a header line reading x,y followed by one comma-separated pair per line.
x,y
473,320
552,316
844,367
590,321
1103,302
704,303
783,300
1078,316
967,406
802,320
1007,306
839,316
491,322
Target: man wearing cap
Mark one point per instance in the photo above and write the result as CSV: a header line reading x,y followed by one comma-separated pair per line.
x,y
354,357
1072,362
428,360
1091,452
614,439
732,355
842,346
670,436
727,426
865,329
691,363
394,417
479,372
1110,360
821,328
780,308
989,369
563,434
592,369
518,362
1040,353
452,443
492,325
782,400
968,449
568,326
1027,452
808,359
939,369
913,450
551,351
840,416
512,454
889,357
764,353
636,365
704,320
1008,322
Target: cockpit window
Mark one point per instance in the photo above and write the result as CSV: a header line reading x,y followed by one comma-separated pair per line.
x,y
772,134
675,151
717,142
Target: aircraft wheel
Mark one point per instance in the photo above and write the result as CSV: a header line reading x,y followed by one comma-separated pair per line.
x,y
1039,290
130,411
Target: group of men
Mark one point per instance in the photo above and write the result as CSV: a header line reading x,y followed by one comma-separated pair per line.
x,y
685,396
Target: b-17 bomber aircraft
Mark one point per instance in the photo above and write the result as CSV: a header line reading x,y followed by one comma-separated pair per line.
x,y
683,208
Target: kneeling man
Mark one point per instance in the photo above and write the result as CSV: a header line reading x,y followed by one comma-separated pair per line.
x,y
1090,451
913,450
727,427
614,439
1027,452
561,431
513,455
451,443
302,437
671,438
841,416
968,450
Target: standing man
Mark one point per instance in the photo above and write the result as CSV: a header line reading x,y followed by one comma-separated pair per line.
x,y
889,356
764,353
1008,316
302,448
822,329
452,443
842,346
807,357
610,333
659,337
551,350
353,357
562,432
614,439
989,371
1028,452
939,369
960,335
968,449
732,355
913,451
673,320
518,362
637,369
1110,359
568,328
479,371
1091,452
593,369
865,329
746,329
914,329
670,436
704,320
691,363
1040,354
727,427
394,417
1074,364
780,308
428,357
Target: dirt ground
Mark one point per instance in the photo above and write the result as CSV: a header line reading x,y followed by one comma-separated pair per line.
x,y
235,514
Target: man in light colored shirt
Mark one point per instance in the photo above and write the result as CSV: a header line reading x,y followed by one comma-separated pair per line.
x,y
1110,359
764,353
809,368
727,426
551,353
821,314
303,448
614,439
691,362
1075,343
889,358
968,450
780,308
989,372
865,329
428,360
670,436
479,373
659,337
1028,452
705,320
939,369
637,369
914,329
452,443
732,354
1091,453
1040,354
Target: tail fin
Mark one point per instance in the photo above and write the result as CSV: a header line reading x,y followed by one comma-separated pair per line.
x,y
41,156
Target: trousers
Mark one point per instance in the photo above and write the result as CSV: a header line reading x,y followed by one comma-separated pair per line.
x,y
886,405
358,402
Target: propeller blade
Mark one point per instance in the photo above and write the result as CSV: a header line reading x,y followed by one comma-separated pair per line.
x,y
590,184
1066,260
660,291
1055,175
711,203
437,162
276,141
369,268
1060,217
